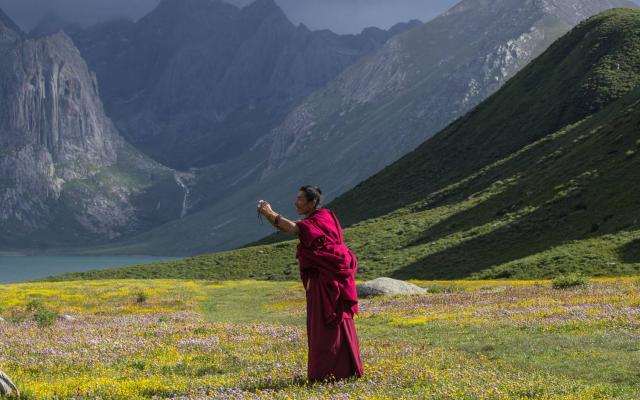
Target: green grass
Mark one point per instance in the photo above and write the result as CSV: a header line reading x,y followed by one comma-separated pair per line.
x,y
594,353
251,301
603,355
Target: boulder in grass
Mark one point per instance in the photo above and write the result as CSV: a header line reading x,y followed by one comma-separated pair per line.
x,y
7,388
67,318
388,287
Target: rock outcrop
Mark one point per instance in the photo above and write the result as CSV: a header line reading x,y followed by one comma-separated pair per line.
x,y
392,100
52,126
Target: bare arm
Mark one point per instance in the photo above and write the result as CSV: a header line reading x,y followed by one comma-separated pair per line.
x,y
284,224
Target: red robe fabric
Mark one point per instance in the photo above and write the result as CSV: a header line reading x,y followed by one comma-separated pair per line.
x,y
332,301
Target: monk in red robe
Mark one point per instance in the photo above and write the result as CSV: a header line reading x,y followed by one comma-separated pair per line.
x,y
327,270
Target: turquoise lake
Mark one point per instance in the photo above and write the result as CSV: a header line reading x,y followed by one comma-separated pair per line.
x,y
23,268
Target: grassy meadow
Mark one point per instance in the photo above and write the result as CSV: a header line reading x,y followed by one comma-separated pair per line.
x,y
188,339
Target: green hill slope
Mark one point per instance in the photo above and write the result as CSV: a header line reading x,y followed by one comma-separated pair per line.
x,y
541,178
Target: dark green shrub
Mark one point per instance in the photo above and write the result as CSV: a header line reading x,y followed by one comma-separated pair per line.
x,y
570,280
44,317
35,310
141,297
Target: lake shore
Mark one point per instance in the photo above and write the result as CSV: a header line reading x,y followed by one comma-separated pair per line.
x,y
16,267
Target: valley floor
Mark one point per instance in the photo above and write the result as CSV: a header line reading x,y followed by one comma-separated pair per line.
x,y
142,339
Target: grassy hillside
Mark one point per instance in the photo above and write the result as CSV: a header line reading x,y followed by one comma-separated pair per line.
x,y
540,179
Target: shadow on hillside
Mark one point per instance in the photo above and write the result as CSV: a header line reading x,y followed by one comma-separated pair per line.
x,y
548,226
630,252
505,244
491,209
573,203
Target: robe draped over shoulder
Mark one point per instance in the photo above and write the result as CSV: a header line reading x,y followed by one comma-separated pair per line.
x,y
329,266
321,252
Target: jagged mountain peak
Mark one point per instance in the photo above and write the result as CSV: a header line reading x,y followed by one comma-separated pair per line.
x,y
404,26
61,40
266,5
263,9
177,4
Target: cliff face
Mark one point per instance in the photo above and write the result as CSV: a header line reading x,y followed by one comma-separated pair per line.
x,y
52,126
66,175
195,80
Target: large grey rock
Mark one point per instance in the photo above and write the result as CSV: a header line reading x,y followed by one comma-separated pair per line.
x,y
67,318
387,287
6,386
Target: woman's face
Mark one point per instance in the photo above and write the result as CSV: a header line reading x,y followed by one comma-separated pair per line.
x,y
303,206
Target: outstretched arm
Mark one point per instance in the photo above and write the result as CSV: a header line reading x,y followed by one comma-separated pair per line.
x,y
284,224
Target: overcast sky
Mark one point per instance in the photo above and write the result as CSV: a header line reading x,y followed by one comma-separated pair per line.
x,y
342,16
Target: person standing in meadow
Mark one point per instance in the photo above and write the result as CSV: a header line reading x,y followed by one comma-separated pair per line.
x,y
327,270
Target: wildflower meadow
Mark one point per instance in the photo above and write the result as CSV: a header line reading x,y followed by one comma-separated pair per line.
x,y
178,339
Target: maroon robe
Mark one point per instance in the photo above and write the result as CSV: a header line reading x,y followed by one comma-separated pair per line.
x,y
330,267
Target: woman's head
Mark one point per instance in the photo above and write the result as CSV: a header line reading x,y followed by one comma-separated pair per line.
x,y
308,199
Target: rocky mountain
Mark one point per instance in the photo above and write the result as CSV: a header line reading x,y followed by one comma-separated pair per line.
x,y
539,180
197,82
66,175
418,83
377,110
